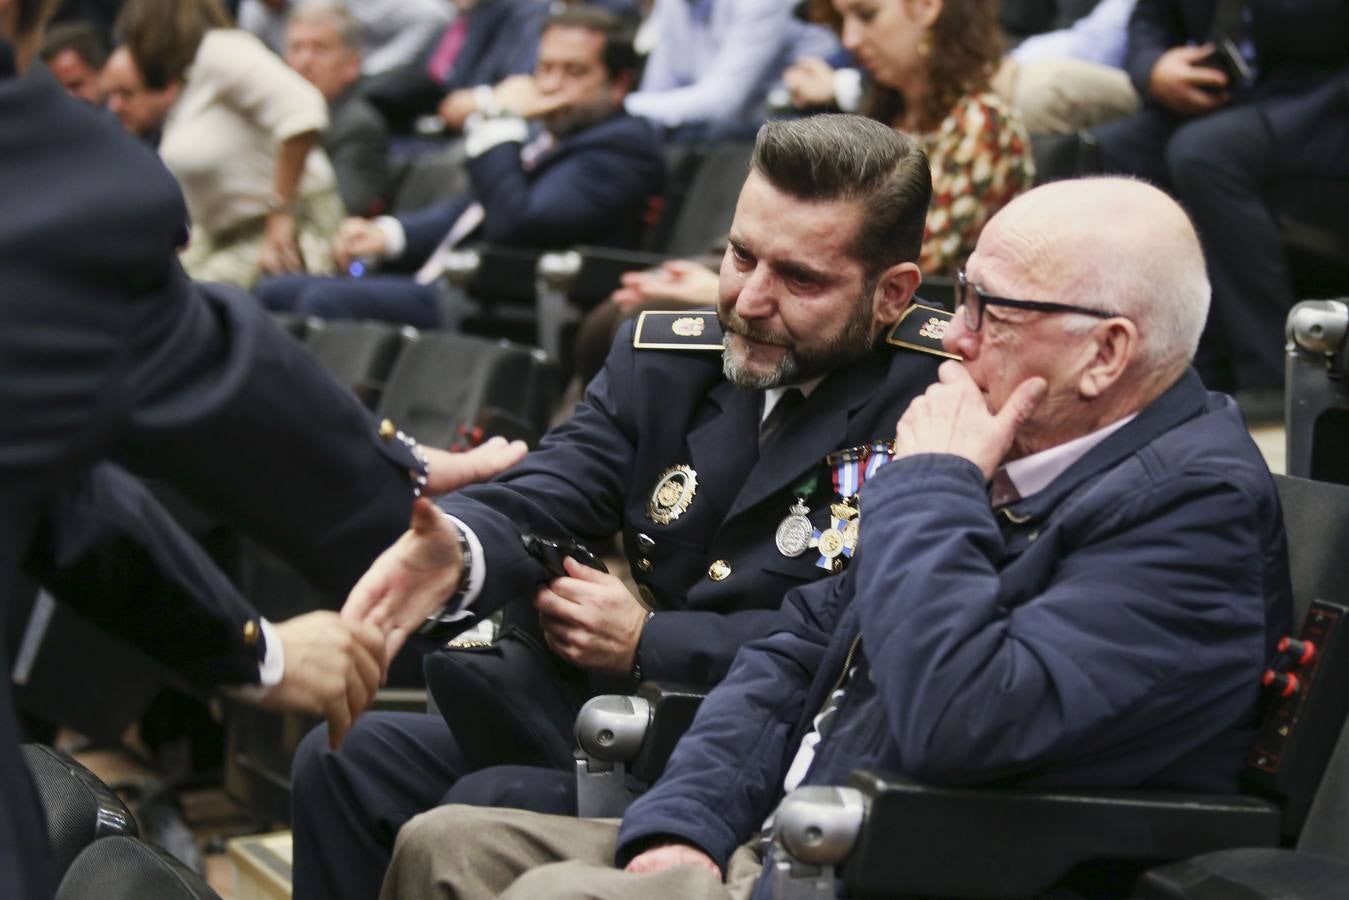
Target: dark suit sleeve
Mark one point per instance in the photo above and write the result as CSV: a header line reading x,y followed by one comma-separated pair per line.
x,y
358,145
574,483
1153,618
1155,27
584,192
726,773
426,227
107,549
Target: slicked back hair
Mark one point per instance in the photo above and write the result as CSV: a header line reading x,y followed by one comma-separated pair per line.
x,y
858,160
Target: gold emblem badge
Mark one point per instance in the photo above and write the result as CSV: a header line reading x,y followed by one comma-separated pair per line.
x,y
688,326
719,570
672,494
933,328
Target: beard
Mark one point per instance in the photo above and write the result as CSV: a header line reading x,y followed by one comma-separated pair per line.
x,y
577,117
799,362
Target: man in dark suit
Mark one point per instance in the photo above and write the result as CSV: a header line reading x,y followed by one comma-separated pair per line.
x,y
1073,573
323,43
1238,96
706,447
108,350
585,178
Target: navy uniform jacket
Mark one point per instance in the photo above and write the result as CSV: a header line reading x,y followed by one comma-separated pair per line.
x,y
647,411
1107,631
108,350
592,187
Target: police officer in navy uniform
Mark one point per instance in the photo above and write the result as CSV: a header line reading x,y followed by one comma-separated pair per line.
x,y
691,444
108,350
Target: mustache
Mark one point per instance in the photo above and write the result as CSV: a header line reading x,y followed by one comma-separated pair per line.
x,y
732,323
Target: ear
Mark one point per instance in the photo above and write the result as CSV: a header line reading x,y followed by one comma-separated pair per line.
x,y
925,12
1115,344
620,86
894,291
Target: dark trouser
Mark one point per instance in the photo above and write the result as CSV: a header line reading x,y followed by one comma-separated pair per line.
x,y
1220,166
387,298
349,805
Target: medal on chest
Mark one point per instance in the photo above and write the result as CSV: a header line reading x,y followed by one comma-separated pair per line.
x,y
851,468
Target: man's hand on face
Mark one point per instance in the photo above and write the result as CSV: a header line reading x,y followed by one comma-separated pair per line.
x,y
358,239
952,417
1182,84
410,580
666,856
447,471
520,95
590,619
333,668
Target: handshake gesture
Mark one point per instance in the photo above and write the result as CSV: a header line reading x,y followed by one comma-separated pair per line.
x,y
335,663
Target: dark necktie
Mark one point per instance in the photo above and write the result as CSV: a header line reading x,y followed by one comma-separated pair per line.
x,y
784,409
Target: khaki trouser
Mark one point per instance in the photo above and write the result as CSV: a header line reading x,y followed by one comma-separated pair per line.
x,y
470,852
1060,96
232,257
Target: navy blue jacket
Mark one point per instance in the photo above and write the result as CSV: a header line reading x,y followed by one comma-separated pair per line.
x,y
648,410
108,350
592,187
1107,631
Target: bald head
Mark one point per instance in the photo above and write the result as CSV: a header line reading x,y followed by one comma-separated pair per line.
x,y
1115,244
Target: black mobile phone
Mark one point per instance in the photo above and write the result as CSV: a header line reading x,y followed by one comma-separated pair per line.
x,y
550,554
1227,58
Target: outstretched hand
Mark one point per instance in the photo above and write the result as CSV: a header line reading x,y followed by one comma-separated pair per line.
x,y
447,471
410,580
590,619
952,417
333,668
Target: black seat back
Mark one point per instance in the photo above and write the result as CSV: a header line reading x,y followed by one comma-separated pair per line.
x,y
123,868
358,354
79,808
706,213
447,382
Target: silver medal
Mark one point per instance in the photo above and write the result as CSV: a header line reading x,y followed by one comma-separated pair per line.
x,y
794,531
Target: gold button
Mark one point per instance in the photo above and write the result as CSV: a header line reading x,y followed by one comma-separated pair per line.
x,y
719,570
250,633
644,564
387,429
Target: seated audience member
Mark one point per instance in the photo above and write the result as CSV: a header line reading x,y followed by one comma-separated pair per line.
x,y
453,73
323,43
1072,78
930,62
241,139
140,110
392,32
713,63
75,54
1068,508
585,176
697,445
1220,135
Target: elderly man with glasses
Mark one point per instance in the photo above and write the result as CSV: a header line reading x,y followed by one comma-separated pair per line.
x,y
1102,620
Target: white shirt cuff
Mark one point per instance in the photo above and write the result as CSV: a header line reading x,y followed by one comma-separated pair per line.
x,y
477,570
482,133
271,669
395,238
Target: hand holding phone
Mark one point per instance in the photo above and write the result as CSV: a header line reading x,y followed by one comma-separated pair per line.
x,y
550,554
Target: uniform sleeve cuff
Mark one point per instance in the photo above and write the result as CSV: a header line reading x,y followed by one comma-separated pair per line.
x,y
395,238
271,669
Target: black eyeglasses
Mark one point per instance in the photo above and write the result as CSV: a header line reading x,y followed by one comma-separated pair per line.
x,y
972,300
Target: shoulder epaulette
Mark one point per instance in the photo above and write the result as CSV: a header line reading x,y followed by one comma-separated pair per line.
x,y
684,329
921,328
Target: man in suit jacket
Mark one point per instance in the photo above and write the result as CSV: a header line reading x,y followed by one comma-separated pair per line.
x,y
108,350
323,43
585,178
1222,141
700,444
1073,573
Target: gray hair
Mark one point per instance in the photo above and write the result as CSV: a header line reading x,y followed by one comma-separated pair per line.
x,y
332,13
851,158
